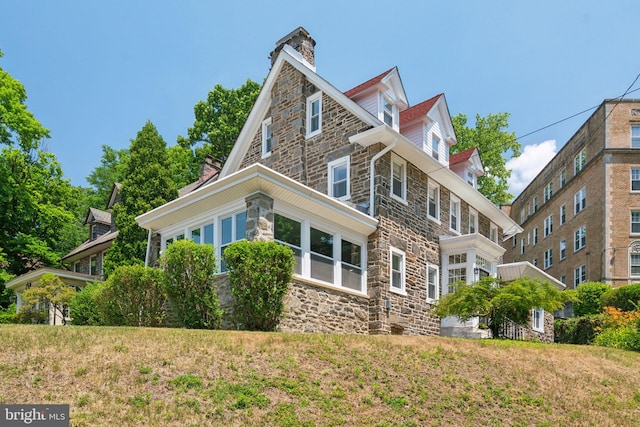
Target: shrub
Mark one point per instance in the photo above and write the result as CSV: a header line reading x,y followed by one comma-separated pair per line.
x,y
588,298
626,298
578,330
9,315
620,329
259,276
84,307
133,295
190,269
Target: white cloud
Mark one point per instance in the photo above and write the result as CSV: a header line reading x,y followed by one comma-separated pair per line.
x,y
534,157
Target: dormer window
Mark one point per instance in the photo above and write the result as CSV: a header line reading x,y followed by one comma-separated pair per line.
x,y
314,114
435,147
389,112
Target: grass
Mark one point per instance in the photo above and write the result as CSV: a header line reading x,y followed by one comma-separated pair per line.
x,y
177,377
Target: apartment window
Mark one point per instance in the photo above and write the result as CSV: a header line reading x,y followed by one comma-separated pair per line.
x,y
579,161
535,204
514,241
548,258
521,246
434,201
635,179
522,216
635,136
580,201
548,225
580,238
398,178
563,249
233,228
493,233
473,221
563,178
563,279
397,270
579,275
634,260
548,192
635,222
454,214
93,265
435,147
339,178
537,319
563,214
267,137
289,232
433,282
535,236
314,114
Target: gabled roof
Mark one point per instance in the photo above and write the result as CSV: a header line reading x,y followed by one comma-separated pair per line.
x,y
419,110
113,198
91,247
96,215
388,81
462,156
68,277
469,158
366,85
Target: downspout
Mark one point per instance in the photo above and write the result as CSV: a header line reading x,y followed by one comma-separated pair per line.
x,y
372,172
146,256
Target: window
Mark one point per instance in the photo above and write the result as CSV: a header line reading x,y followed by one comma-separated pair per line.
x,y
457,275
522,246
537,319
267,137
195,235
339,179
563,214
321,250
635,136
93,265
535,204
471,179
563,279
493,233
388,111
314,114
580,201
433,282
548,192
548,258
454,214
522,216
535,262
398,178
635,179
535,236
76,267
548,225
434,201
351,265
435,147
563,249
635,222
579,275
289,232
233,228
580,238
634,263
579,161
397,270
563,178
473,221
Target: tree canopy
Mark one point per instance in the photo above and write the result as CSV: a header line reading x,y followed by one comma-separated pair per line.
x,y
493,142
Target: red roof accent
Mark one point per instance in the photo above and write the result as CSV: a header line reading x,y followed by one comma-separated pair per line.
x,y
351,92
418,110
462,156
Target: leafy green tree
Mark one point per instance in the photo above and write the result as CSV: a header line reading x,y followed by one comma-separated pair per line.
x,y
500,302
146,185
493,143
190,269
182,165
84,306
112,169
588,298
53,291
219,120
259,277
18,126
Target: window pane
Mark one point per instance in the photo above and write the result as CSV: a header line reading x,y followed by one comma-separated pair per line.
x,y
241,226
321,242
351,277
287,230
351,253
322,268
227,230
195,235
208,234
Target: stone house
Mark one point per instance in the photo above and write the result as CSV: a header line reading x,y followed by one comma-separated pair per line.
x,y
361,186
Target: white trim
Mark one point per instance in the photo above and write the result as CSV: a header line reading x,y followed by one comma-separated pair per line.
x,y
473,221
434,186
458,211
266,124
436,269
537,319
396,160
333,165
403,258
311,99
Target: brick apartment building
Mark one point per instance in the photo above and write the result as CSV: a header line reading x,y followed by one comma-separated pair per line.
x,y
581,214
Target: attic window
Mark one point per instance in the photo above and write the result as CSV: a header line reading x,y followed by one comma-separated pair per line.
x,y
314,114
435,147
267,137
388,112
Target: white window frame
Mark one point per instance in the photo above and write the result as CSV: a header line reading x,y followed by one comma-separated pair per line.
x,y
563,249
316,97
537,320
234,234
435,146
535,204
93,259
267,140
334,165
398,288
636,222
580,238
535,236
383,100
548,258
633,253
396,160
548,192
548,226
579,275
493,233
522,246
635,179
473,221
635,136
433,282
435,189
579,161
455,210
563,178
580,201
563,214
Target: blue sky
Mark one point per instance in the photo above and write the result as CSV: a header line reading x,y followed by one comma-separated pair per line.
x,y
95,72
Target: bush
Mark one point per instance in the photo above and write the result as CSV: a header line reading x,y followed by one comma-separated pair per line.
x,y
620,329
259,276
8,315
578,330
626,298
588,298
85,308
133,295
190,285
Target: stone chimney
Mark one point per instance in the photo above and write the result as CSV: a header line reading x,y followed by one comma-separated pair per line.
x,y
209,164
301,41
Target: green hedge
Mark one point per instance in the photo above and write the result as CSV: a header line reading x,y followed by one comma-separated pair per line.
x,y
626,298
588,298
577,330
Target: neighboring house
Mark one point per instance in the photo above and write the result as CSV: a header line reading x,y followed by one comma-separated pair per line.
x,y
362,188
84,263
581,213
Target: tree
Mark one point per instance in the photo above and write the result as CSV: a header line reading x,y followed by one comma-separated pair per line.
x,y
17,124
219,120
53,292
112,169
493,143
500,302
190,269
588,298
146,185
